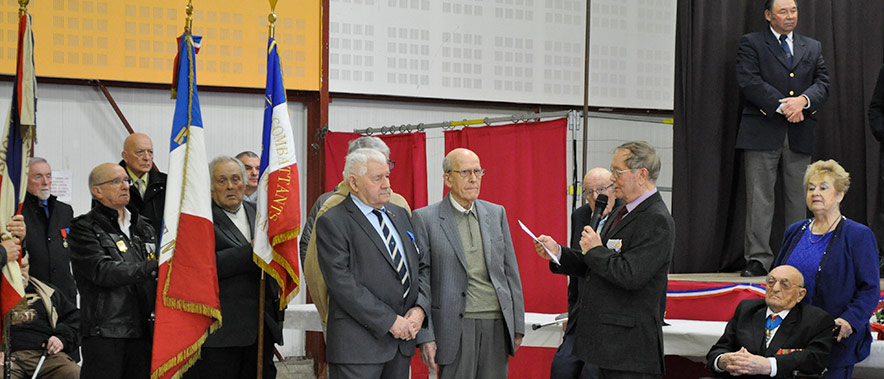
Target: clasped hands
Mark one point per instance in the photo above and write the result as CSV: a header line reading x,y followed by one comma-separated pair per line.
x,y
793,108
743,362
588,240
406,328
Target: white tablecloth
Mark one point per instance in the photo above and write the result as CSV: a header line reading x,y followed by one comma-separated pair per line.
x,y
687,338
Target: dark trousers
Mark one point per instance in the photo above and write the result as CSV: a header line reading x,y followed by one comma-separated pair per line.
x,y
110,358
226,362
616,374
396,368
567,366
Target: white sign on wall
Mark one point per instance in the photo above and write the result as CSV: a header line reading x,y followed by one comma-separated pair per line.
x,y
62,185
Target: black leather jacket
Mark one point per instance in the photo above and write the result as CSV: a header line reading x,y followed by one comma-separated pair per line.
x,y
116,275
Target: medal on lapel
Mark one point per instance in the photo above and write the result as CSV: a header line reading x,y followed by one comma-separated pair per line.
x,y
64,237
121,246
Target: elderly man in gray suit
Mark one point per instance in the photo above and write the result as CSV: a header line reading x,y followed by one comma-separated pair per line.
x,y
378,282
478,315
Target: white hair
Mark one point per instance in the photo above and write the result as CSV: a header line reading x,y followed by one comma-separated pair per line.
x,y
357,161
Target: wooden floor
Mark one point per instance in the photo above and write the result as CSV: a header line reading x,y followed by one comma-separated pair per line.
x,y
722,277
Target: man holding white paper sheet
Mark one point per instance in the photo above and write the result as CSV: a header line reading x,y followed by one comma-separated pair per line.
x,y
627,272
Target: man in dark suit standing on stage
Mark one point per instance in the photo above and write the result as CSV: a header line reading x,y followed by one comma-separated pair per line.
x,y
626,272
783,81
48,222
148,189
232,350
378,282
776,336
565,364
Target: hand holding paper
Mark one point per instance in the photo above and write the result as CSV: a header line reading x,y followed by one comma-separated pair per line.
x,y
543,247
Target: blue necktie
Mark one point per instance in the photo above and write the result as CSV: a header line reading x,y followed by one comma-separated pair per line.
x,y
786,49
394,254
45,205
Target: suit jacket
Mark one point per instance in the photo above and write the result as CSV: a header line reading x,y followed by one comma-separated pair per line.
x,y
764,77
238,281
625,289
46,242
806,327
365,294
579,219
151,205
315,282
847,284
438,237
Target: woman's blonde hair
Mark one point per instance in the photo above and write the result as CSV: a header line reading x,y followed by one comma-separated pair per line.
x,y
832,168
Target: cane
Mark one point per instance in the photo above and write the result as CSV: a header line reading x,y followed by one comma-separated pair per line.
x,y
42,359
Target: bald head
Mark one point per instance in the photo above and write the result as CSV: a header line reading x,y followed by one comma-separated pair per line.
x,y
109,185
598,181
463,175
138,153
785,288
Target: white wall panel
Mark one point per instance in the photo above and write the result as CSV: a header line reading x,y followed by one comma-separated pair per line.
x,y
526,51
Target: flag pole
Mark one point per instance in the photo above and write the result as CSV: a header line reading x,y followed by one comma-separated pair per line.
x,y
271,18
7,320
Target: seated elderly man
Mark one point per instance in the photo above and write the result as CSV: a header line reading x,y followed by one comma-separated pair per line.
x,y
47,319
777,336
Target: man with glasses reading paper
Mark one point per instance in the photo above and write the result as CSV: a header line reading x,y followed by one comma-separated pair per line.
x,y
626,272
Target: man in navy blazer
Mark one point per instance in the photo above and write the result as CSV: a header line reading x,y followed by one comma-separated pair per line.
x,y
777,336
621,330
378,282
783,82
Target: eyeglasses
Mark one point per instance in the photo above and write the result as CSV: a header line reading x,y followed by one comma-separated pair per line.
x,y
615,174
391,163
784,283
479,172
116,182
589,193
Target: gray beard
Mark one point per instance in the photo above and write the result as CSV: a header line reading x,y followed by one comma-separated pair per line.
x,y
43,195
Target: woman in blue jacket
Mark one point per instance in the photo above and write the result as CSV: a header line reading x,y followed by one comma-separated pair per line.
x,y
839,260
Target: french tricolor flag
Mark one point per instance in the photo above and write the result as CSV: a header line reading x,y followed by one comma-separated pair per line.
x,y
278,220
187,307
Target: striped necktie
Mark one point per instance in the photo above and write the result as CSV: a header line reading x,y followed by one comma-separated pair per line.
x,y
394,254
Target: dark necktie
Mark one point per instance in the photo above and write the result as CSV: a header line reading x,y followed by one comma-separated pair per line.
x,y
786,49
394,254
618,218
773,321
45,205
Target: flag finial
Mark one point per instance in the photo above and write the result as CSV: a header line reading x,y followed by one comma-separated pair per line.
x,y
189,10
272,18
23,7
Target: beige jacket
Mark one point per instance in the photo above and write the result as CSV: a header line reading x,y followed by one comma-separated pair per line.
x,y
315,281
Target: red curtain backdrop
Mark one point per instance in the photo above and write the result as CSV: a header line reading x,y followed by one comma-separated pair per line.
x,y
527,175
409,175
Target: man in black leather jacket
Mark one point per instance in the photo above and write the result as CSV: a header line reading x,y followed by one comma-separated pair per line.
x,y
113,253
